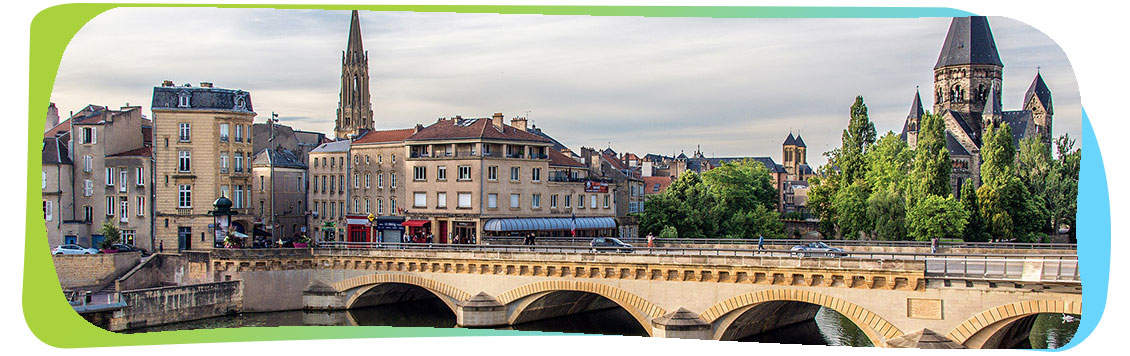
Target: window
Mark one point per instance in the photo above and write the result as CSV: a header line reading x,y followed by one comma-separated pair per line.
x,y
128,236
89,135
380,206
441,200
87,163
185,162
261,185
606,201
238,162
392,181
464,200
393,158
123,212
238,133
380,180
367,180
515,173
238,201
580,201
464,172
315,210
87,213
592,201
185,132
340,183
515,199
356,182
553,201
109,176
47,210
420,200
366,205
223,132
44,174
392,206
492,173
110,206
340,209
492,201
568,201
223,162
87,187
441,173
140,176
366,159
356,160
419,173
341,162
323,183
123,177
314,161
355,206
535,174
536,201
184,197
333,211
140,206
324,162
332,164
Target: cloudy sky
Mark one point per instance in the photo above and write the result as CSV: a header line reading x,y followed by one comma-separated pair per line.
x,y
737,87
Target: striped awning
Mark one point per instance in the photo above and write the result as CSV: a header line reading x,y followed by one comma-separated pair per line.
x,y
543,224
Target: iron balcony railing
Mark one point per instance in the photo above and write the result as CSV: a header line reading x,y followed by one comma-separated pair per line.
x,y
791,242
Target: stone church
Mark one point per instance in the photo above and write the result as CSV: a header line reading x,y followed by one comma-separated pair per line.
x,y
355,111
967,93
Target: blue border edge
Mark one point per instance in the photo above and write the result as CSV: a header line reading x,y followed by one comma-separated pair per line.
x,y
1093,219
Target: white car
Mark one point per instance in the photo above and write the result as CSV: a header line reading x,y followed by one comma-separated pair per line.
x,y
73,249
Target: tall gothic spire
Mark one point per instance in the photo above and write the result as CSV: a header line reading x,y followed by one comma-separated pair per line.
x,y
354,51
354,111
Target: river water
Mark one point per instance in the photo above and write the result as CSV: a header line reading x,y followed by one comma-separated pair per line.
x,y
827,328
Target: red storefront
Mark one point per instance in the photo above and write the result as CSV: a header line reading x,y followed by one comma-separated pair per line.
x,y
358,229
416,228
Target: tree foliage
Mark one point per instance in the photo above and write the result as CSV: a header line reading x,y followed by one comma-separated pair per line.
x,y
975,228
734,200
1007,207
936,217
110,234
856,139
887,209
850,204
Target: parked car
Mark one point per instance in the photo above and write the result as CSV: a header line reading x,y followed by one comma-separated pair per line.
x,y
817,249
126,248
73,249
609,244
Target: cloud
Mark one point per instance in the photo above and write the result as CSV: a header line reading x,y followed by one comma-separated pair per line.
x,y
661,85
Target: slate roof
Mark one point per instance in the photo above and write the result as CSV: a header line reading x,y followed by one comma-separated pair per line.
x,y
790,140
482,128
800,141
805,169
1041,91
916,110
137,152
384,136
655,158
335,146
282,158
969,41
354,51
556,144
55,150
91,114
960,118
556,158
1017,121
954,147
168,98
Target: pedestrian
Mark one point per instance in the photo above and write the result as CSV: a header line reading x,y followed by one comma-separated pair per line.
x,y
650,240
934,245
161,246
760,243
430,238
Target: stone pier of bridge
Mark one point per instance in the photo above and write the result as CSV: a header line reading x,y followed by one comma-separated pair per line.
x,y
698,297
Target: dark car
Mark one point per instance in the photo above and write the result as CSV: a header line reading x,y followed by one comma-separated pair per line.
x,y
609,244
817,249
126,248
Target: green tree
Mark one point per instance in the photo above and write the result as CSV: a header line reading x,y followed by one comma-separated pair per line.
x,y
887,209
930,174
859,135
749,224
1035,168
888,163
669,232
687,204
820,194
850,204
936,217
1065,183
110,233
975,229
742,185
1008,208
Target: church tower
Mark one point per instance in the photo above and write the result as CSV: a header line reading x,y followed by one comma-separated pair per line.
x,y
354,111
1038,100
967,69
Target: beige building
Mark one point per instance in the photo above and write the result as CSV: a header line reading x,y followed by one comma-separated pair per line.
x,y
201,156
376,184
57,187
279,185
328,169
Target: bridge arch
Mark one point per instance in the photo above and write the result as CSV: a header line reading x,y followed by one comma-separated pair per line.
x,y
723,315
519,299
984,328
356,287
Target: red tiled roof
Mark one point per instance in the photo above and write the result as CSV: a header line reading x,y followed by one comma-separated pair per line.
x,y
615,162
474,128
61,127
560,159
650,182
140,152
385,136
631,157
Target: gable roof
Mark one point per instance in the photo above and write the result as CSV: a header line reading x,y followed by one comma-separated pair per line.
x,y
62,127
916,110
656,185
280,158
481,128
331,147
1040,90
384,136
55,150
969,41
966,130
146,151
556,158
800,141
954,147
613,161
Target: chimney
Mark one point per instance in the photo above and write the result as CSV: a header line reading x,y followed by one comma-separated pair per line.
x,y
519,123
497,120
418,128
167,83
567,152
205,84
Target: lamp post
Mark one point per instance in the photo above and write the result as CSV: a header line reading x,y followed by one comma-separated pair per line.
x,y
221,218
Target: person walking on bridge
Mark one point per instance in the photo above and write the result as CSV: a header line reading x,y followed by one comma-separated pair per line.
x,y
934,245
760,243
650,240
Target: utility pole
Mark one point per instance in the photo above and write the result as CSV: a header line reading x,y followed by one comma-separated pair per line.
x,y
271,168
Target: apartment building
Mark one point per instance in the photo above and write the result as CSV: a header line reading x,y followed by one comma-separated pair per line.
x,y
279,183
376,186
328,169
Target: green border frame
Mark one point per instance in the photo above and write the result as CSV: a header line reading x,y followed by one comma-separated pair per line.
x,y
46,311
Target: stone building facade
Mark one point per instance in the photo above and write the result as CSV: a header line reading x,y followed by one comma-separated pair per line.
x,y
279,185
376,183
199,157
57,187
355,112
328,169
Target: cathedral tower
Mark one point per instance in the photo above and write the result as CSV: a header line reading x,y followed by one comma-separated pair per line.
x,y
1038,100
967,69
354,111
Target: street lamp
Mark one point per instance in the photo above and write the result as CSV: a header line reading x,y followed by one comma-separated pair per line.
x,y
221,218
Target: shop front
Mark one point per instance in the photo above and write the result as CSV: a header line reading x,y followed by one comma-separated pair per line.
x,y
358,228
463,232
552,227
416,230
388,229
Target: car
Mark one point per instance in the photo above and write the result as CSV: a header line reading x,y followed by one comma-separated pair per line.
x,y
817,249
125,248
72,249
609,244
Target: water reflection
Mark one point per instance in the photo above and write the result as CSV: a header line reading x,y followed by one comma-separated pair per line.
x,y
827,328
1052,331
612,321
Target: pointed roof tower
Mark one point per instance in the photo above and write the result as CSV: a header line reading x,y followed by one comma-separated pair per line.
x,y
969,41
790,141
1040,90
916,110
993,101
354,51
799,141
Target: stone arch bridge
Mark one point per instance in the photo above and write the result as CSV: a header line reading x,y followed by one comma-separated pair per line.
x,y
701,297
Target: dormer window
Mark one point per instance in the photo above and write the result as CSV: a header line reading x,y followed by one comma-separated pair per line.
x,y
182,99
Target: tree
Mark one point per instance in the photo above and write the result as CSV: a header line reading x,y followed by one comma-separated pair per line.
x,y
886,208
669,232
1007,207
975,229
111,235
936,217
930,174
742,185
850,204
687,204
859,135
1065,184
1035,169
820,194
888,163
749,224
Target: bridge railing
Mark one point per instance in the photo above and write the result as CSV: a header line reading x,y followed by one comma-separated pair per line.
x,y
1000,267
753,241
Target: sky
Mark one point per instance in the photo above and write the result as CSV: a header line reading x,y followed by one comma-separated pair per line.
x,y
734,87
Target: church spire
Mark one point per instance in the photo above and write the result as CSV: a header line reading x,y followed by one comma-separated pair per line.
x,y
969,41
354,111
354,51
